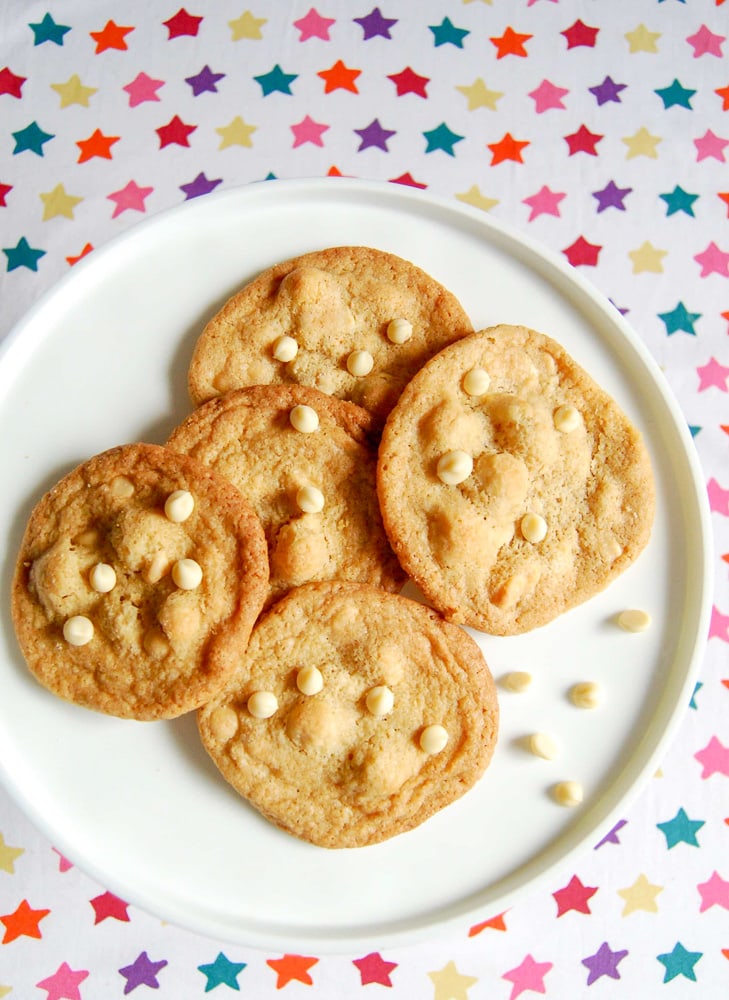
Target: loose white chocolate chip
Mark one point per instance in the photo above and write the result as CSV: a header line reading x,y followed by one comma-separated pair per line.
x,y
310,500
262,704
634,620
380,701
285,348
224,723
517,681
433,739
533,528
586,694
304,418
566,419
309,680
399,331
476,382
102,578
454,467
187,574
543,745
568,793
179,505
360,363
78,630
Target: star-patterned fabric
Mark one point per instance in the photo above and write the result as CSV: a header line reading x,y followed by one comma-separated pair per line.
x,y
600,130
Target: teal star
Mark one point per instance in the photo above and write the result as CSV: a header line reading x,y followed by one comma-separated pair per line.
x,y
680,829
679,200
276,80
222,972
31,137
679,319
676,96
23,255
447,33
699,684
679,962
48,31
442,138
270,176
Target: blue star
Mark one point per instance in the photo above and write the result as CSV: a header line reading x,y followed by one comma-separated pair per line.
x,y
442,138
48,31
680,829
31,137
679,200
23,255
679,962
222,972
276,80
676,95
679,319
447,33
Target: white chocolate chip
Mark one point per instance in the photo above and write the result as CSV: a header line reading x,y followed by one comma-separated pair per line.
x,y
433,739
399,330
102,578
262,704
566,418
309,680
586,694
187,574
122,487
454,467
476,382
159,565
304,418
285,348
543,745
179,505
78,630
310,500
568,793
360,363
533,527
380,701
224,723
634,620
517,681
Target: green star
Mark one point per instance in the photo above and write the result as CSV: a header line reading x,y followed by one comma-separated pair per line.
x,y
679,200
446,33
442,138
276,80
48,31
676,96
679,962
222,972
681,829
31,137
679,319
23,255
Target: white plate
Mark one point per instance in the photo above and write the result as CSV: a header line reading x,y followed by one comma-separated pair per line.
x,y
102,360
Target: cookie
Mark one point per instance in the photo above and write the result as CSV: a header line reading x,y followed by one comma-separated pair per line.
x,y
512,486
354,716
139,578
324,320
313,487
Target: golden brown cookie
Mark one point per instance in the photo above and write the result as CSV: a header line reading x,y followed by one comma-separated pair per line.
x,y
323,319
313,486
355,715
138,581
511,485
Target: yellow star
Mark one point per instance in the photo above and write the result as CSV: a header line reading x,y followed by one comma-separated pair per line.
x,y
247,26
641,895
489,2
236,133
73,92
474,197
58,202
642,144
7,857
479,95
4,990
450,984
647,258
642,40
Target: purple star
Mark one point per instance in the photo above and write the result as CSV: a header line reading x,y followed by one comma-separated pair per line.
x,y
375,24
603,963
204,80
201,185
608,90
612,836
141,972
374,135
611,196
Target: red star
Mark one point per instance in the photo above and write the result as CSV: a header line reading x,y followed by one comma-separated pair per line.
x,y
507,148
582,252
724,195
97,144
374,969
175,132
495,924
407,179
292,967
583,141
11,83
723,92
408,82
108,905
112,37
580,34
74,260
511,43
23,922
339,77
182,23
574,896
4,189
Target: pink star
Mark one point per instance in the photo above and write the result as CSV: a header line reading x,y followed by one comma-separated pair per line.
x,y
547,95
527,976
714,758
718,498
307,130
63,984
108,905
705,42
142,88
313,25
544,202
131,196
63,863
710,145
719,628
713,261
715,892
374,969
712,374
531,3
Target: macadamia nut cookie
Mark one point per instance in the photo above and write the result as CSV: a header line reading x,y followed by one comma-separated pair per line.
x,y
354,715
353,322
139,578
512,487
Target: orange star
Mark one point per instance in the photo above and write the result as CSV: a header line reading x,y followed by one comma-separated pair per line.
x,y
723,92
507,148
292,967
495,923
23,922
339,77
112,37
97,144
74,260
724,195
511,43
